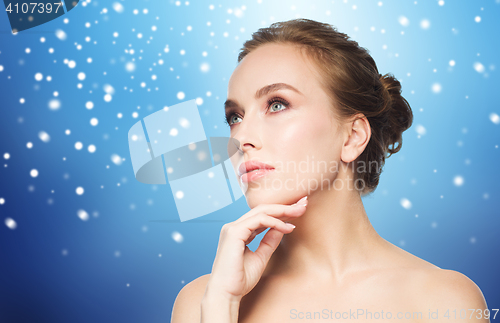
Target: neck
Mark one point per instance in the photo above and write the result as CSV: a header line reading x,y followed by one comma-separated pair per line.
x,y
332,238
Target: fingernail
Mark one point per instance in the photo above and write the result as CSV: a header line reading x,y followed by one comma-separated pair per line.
x,y
290,225
302,200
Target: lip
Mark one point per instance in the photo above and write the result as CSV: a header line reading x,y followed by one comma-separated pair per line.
x,y
252,165
253,175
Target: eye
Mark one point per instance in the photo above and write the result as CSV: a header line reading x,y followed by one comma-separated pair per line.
x,y
229,118
271,105
278,103
233,118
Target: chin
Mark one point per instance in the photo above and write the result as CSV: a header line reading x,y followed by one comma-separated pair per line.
x,y
255,197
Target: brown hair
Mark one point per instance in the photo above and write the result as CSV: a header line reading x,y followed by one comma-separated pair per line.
x,y
351,79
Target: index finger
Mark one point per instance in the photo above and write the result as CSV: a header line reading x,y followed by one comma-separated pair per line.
x,y
274,210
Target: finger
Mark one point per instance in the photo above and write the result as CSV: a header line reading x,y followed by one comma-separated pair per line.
x,y
287,212
245,229
268,245
296,210
254,234
275,210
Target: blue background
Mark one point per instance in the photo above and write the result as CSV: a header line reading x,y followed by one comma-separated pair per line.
x,y
123,264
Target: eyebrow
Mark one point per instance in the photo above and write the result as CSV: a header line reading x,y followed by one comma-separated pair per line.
x,y
264,91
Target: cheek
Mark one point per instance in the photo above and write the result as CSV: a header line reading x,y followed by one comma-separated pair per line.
x,y
289,140
303,137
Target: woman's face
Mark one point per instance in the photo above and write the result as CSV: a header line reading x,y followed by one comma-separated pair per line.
x,y
293,131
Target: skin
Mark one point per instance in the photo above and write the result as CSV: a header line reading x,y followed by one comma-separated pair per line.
x,y
334,259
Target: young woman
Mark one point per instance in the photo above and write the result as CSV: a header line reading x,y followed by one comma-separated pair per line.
x,y
305,94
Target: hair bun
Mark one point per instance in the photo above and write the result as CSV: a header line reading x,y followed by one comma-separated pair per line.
x,y
399,113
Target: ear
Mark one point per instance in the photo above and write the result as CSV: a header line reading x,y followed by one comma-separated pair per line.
x,y
358,135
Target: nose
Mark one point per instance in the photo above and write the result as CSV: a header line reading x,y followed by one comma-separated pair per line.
x,y
248,135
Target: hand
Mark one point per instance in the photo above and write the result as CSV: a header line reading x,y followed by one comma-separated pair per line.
x,y
237,269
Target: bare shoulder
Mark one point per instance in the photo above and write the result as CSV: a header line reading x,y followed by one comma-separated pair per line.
x,y
427,287
188,302
448,290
